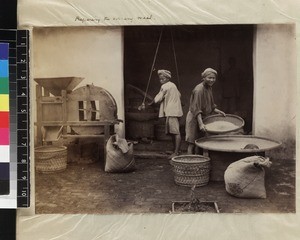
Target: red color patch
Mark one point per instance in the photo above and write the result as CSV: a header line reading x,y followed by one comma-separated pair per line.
x,y
4,119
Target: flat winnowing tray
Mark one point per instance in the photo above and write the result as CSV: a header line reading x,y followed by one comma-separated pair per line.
x,y
220,124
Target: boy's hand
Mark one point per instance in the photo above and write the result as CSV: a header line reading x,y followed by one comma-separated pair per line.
x,y
150,103
220,112
202,128
224,114
142,107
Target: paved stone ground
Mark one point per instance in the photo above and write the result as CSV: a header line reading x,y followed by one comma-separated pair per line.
x,y
86,188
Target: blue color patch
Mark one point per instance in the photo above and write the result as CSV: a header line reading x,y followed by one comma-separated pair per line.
x,y
4,50
3,68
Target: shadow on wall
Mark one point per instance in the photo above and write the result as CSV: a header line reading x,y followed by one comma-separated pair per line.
x,y
286,151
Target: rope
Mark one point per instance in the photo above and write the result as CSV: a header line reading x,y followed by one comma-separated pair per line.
x,y
173,46
152,66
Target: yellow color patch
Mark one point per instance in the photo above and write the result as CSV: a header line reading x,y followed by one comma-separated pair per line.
x,y
4,102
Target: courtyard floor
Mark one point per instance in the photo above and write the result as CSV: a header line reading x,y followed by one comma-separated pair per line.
x,y
86,188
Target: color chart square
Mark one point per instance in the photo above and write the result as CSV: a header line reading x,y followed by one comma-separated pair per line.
x,y
4,102
4,85
4,51
4,153
4,171
3,68
4,178
4,136
4,122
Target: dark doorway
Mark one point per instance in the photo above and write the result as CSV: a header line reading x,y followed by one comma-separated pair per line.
x,y
196,48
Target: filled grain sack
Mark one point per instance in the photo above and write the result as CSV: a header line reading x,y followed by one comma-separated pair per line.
x,y
246,177
119,155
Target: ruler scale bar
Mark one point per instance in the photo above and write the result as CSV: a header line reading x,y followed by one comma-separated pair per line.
x,y
22,112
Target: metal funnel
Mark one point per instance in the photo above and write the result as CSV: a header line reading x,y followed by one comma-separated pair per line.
x,y
56,84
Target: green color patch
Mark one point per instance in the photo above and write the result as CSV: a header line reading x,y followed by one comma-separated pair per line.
x,y
4,85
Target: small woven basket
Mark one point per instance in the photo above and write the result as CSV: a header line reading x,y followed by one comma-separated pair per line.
x,y
191,170
49,159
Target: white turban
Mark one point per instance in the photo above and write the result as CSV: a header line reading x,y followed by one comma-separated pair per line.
x,y
165,73
208,71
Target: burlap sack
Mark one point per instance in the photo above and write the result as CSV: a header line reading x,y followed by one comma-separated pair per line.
x,y
116,160
246,177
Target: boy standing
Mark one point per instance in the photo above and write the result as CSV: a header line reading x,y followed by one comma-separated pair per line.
x,y
170,108
201,105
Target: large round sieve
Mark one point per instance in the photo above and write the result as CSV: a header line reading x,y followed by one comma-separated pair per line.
x,y
236,143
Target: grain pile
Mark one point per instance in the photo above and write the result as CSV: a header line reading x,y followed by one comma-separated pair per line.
x,y
220,126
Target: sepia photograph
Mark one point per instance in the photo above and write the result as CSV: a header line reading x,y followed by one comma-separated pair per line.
x,y
164,119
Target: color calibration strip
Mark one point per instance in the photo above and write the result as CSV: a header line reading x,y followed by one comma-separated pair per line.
x,y
18,58
4,120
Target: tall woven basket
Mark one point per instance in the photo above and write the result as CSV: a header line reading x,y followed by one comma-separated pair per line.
x,y
191,170
49,159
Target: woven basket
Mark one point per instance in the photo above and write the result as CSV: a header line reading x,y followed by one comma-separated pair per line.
x,y
190,170
49,159
237,121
